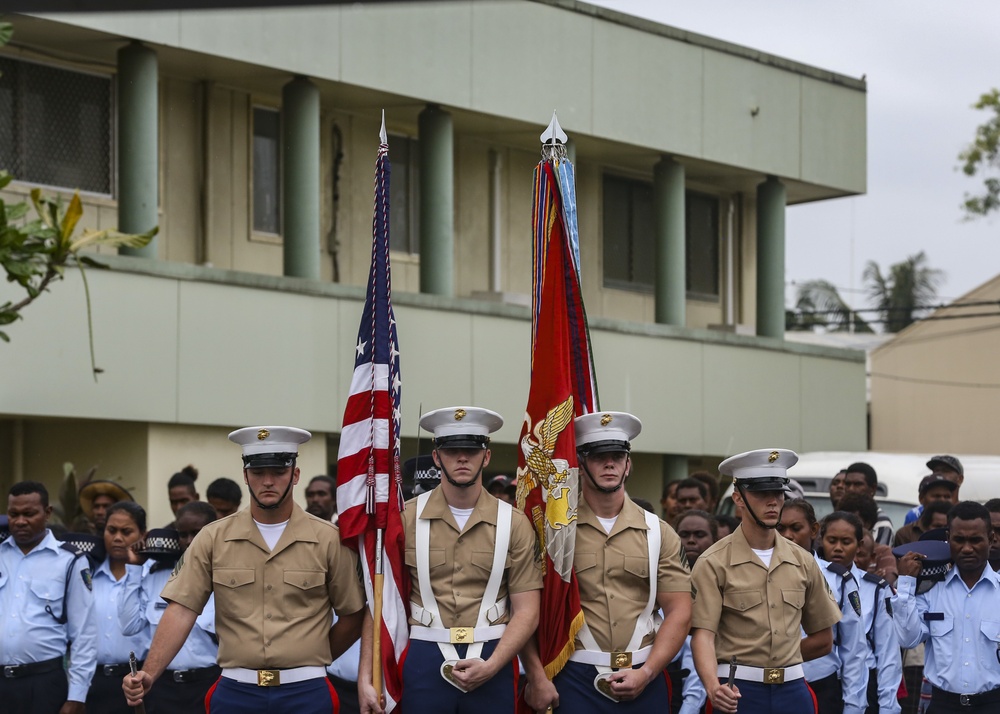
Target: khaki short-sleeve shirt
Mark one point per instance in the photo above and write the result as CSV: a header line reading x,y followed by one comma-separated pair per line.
x,y
755,612
272,608
612,570
461,561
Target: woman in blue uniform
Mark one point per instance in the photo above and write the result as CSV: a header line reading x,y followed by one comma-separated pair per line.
x,y
126,524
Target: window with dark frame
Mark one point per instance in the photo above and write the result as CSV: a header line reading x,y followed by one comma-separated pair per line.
x,y
630,238
404,219
266,170
56,126
701,251
629,248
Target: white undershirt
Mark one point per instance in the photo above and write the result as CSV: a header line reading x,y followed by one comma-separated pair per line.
x,y
608,523
764,555
271,532
461,516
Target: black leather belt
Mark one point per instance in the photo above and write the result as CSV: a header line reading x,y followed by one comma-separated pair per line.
x,y
115,670
12,671
200,674
965,700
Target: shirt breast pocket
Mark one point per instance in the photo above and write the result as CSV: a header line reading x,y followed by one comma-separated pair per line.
x,y
304,592
636,578
940,628
44,600
585,564
235,594
793,601
742,600
991,631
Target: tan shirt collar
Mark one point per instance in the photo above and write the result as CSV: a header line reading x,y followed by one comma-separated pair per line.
x,y
485,509
297,529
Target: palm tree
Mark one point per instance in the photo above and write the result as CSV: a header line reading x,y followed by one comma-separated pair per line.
x,y
901,295
820,304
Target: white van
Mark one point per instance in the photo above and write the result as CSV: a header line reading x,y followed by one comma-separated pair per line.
x,y
899,478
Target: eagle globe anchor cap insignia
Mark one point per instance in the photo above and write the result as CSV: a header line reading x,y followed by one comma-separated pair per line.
x,y
262,434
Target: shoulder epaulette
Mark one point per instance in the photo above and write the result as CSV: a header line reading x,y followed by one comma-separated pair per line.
x,y
840,570
877,580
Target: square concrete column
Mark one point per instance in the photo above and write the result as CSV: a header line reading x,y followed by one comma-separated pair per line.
x,y
771,200
437,201
138,148
300,192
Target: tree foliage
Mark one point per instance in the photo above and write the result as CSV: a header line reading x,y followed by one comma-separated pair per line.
x,y
819,304
35,252
982,158
902,294
898,297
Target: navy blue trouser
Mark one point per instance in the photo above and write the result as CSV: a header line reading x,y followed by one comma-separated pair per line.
x,y
313,696
789,698
575,684
426,691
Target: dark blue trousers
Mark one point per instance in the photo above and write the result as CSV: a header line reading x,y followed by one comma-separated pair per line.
x,y
425,691
313,696
788,698
575,684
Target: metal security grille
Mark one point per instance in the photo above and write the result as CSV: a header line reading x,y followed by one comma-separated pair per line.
x,y
55,126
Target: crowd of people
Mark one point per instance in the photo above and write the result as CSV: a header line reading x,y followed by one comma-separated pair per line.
x,y
230,609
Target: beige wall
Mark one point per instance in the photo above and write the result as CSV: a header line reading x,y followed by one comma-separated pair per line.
x,y
935,386
187,345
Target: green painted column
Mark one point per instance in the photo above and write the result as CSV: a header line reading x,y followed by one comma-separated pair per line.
x,y
138,144
771,199
437,201
669,210
300,191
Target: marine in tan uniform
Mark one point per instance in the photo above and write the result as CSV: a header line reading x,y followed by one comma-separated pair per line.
x,y
628,563
463,637
753,593
276,573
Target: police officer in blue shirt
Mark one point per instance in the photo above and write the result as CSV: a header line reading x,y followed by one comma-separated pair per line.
x,y
958,618
46,603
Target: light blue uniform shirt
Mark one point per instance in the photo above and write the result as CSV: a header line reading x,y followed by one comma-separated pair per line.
x,y
30,583
847,659
885,656
961,629
113,645
141,608
693,690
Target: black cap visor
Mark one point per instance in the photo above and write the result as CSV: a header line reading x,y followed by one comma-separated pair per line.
x,y
462,441
768,483
279,460
604,447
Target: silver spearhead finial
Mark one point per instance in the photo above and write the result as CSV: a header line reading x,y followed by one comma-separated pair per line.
x,y
381,132
553,133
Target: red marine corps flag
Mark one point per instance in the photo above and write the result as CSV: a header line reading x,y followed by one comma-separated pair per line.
x,y
562,387
369,486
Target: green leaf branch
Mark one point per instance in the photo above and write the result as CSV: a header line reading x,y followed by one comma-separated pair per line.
x,y
34,252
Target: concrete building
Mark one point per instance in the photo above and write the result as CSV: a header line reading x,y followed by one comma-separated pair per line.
x,y
249,137
935,384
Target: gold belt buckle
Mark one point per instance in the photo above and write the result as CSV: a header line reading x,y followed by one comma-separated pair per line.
x,y
460,635
621,660
774,676
268,677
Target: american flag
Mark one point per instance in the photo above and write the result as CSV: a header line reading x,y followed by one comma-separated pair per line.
x,y
369,486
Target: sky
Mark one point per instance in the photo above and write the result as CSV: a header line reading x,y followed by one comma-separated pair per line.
x,y
926,62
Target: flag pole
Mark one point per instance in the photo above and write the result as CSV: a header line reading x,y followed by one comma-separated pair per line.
x,y
379,580
377,619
